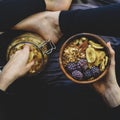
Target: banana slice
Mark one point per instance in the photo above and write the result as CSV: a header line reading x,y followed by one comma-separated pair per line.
x,y
90,55
102,65
99,57
31,56
95,45
106,60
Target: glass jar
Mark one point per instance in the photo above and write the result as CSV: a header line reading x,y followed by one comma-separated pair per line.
x,y
39,50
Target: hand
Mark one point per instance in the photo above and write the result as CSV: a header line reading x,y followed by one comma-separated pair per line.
x,y
16,67
110,78
46,24
108,87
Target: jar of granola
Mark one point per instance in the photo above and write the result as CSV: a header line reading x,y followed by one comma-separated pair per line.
x,y
39,50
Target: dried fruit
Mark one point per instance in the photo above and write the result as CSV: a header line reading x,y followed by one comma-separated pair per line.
x,y
102,65
90,55
85,59
106,60
95,45
83,46
99,57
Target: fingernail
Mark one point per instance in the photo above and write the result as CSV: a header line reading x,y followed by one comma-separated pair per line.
x,y
26,46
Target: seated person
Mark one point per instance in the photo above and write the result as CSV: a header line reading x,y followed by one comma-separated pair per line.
x,y
60,98
107,88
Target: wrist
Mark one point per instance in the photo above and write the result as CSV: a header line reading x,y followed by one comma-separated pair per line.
x,y
5,81
111,95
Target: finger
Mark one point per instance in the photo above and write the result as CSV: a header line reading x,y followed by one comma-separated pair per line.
x,y
29,65
15,54
11,56
26,47
112,53
26,50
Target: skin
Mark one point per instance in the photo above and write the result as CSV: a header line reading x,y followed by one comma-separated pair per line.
x,y
12,70
16,67
108,87
110,78
45,24
38,22
54,5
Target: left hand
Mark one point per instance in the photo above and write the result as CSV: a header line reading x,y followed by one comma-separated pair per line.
x,y
16,67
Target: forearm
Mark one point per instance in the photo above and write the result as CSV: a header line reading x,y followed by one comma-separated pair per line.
x,y
5,81
112,96
13,11
103,20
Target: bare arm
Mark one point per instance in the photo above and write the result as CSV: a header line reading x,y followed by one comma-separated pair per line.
x,y
16,67
55,5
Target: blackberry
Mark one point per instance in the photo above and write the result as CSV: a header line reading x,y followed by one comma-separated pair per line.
x,y
77,75
79,67
87,74
71,66
83,64
95,71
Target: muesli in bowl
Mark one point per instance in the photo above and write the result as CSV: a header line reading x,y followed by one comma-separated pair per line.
x,y
84,58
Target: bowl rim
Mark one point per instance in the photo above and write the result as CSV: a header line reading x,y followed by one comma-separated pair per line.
x,y
78,35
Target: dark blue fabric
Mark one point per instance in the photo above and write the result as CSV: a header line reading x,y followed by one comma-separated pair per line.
x,y
97,20
13,11
51,95
53,72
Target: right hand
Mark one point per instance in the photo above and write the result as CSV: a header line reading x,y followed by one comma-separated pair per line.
x,y
110,79
16,67
108,87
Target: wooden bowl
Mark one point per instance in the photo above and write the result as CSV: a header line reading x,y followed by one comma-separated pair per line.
x,y
66,56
